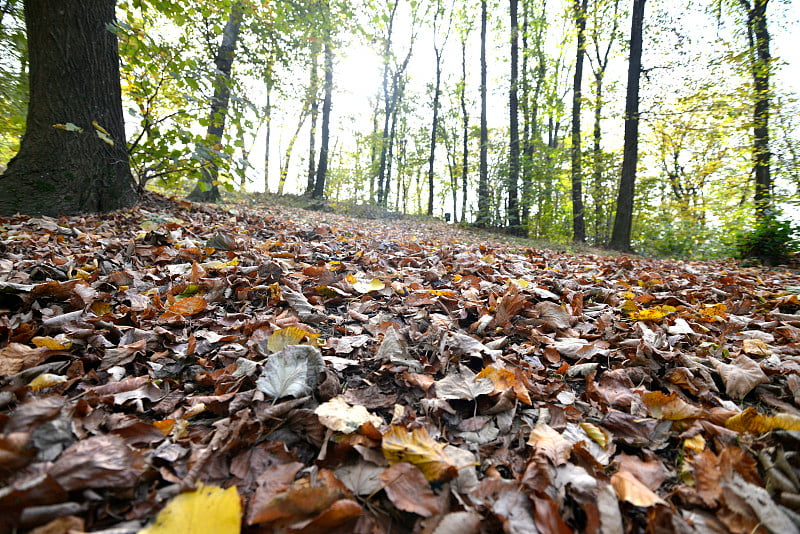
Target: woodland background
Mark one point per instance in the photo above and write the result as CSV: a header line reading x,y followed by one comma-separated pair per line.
x,y
400,83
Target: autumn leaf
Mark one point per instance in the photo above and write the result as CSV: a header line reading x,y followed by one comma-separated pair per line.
x,y
755,423
670,407
505,379
338,415
463,385
549,442
60,342
630,489
418,448
292,335
653,314
292,372
755,347
46,380
740,376
187,307
409,490
208,509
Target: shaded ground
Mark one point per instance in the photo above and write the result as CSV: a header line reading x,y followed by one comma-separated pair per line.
x,y
349,375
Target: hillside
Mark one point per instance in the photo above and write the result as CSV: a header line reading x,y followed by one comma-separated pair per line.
x,y
353,375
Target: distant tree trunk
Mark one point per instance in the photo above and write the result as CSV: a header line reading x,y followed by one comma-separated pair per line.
x,y
513,108
268,112
313,95
465,133
483,179
621,233
322,168
206,189
578,223
398,96
434,128
284,168
74,79
758,36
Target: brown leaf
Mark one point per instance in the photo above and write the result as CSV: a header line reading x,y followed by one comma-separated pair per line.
x,y
17,357
96,462
629,488
409,490
740,376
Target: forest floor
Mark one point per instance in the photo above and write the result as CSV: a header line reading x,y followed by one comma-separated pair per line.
x,y
271,369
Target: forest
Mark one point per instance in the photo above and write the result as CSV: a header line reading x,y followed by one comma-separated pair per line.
x,y
671,132
410,266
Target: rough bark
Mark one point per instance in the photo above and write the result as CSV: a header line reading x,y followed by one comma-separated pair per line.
x,y
74,78
578,223
621,233
206,189
313,94
465,132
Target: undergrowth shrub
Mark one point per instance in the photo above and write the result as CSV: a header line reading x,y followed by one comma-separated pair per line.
x,y
772,241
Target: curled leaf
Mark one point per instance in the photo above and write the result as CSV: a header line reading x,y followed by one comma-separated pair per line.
x,y
418,448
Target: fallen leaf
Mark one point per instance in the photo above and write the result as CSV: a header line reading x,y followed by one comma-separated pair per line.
x,y
418,448
549,442
630,489
339,416
208,509
409,490
740,376
755,423
670,407
463,385
283,337
292,372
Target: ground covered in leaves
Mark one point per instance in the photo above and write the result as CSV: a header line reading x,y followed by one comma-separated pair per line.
x,y
179,368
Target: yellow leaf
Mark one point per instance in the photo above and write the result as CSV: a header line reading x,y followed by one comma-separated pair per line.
x,y
653,314
713,312
68,127
338,415
216,264
99,128
629,307
755,347
362,286
597,434
418,448
207,510
696,443
519,282
283,337
755,423
629,488
46,380
59,342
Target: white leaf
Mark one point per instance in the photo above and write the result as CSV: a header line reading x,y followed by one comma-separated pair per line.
x,y
291,372
741,376
463,385
393,349
338,415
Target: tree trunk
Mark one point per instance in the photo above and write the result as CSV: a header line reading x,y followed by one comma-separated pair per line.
x,y
322,168
74,79
621,233
206,189
578,223
434,128
465,133
284,167
313,95
268,112
758,35
513,107
483,179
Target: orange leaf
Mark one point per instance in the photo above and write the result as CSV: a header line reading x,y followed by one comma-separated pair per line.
x,y
188,306
630,489
755,423
418,448
670,407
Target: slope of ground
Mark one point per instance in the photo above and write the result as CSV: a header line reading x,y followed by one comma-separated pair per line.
x,y
346,375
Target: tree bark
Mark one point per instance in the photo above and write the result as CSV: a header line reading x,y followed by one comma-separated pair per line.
x,y
313,94
206,189
578,223
465,133
483,179
621,233
758,35
74,79
322,168
434,128
513,108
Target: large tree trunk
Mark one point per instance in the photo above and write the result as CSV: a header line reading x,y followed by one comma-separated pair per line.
x,y
483,178
322,168
513,107
578,223
758,35
621,234
74,79
206,189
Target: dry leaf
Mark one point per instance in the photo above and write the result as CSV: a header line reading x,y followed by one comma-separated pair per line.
x,y
409,490
549,442
338,415
418,448
755,423
208,509
630,489
740,376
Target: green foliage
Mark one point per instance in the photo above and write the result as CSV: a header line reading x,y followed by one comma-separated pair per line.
x,y
772,240
13,79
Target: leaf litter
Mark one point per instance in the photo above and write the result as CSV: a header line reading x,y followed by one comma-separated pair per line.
x,y
278,370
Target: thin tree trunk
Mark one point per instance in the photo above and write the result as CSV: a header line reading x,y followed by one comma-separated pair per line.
x,y
623,221
578,223
465,133
268,136
313,96
74,79
206,189
322,168
434,128
513,106
284,170
483,179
